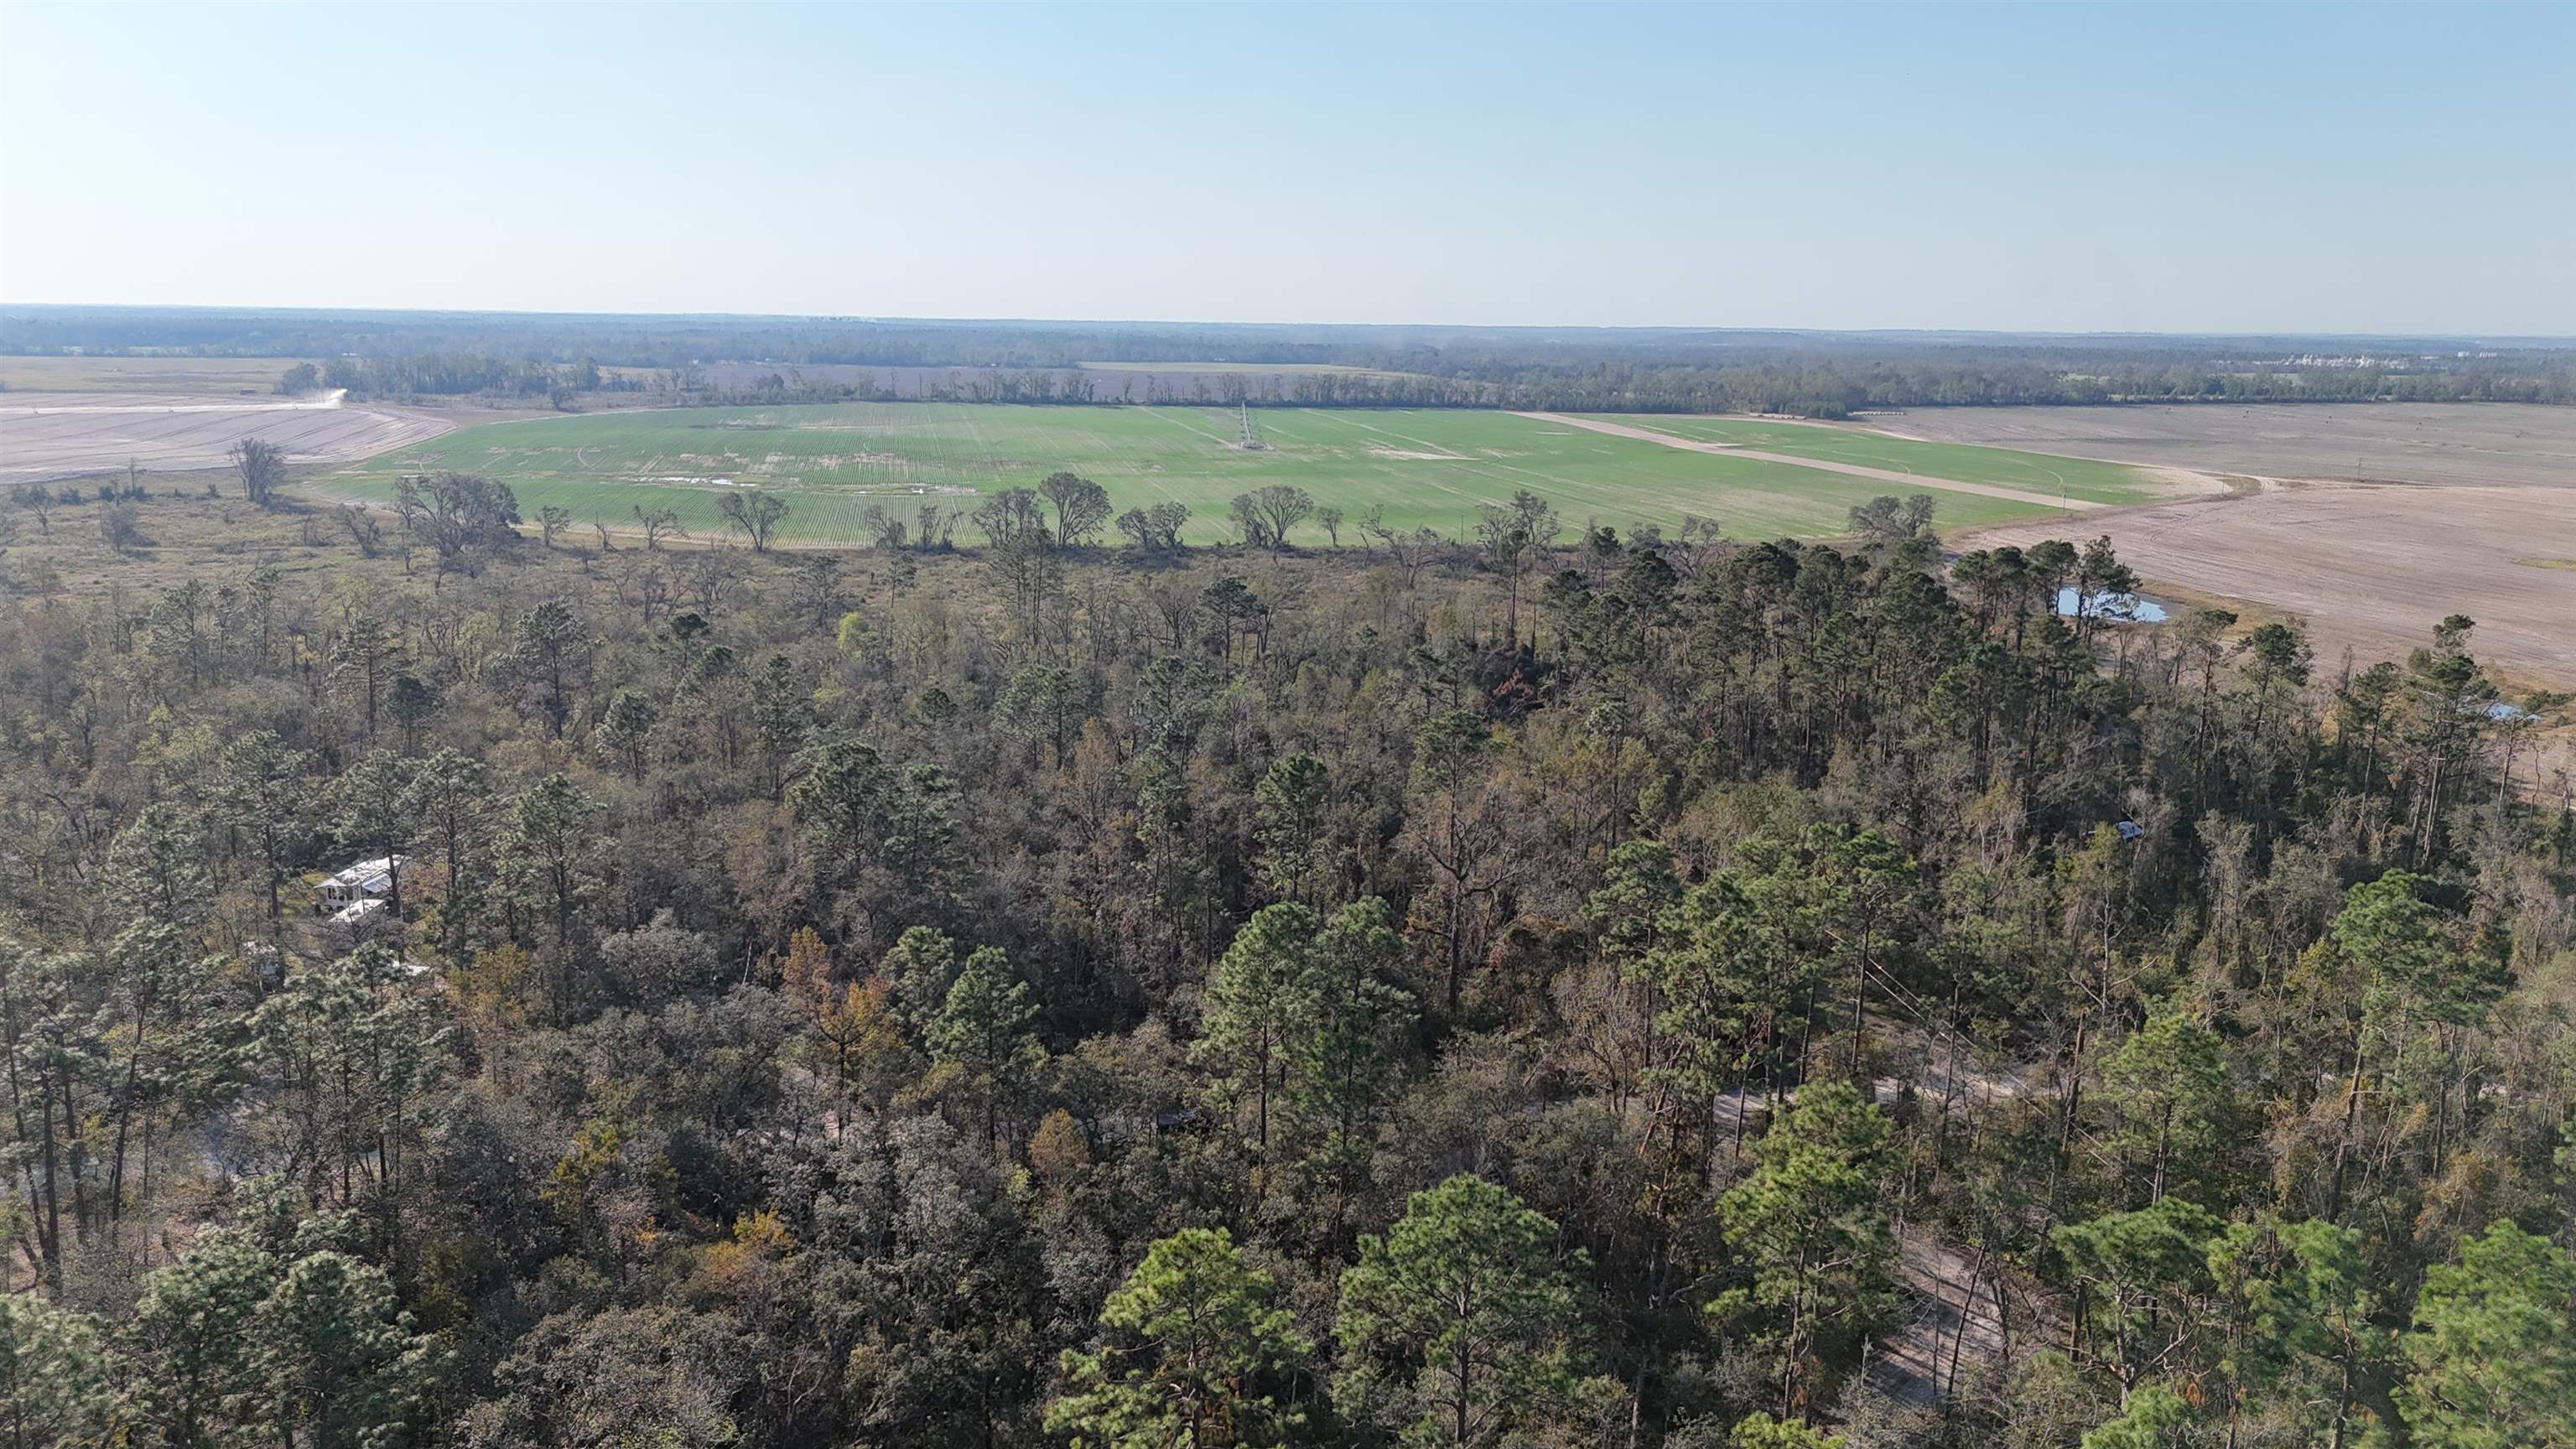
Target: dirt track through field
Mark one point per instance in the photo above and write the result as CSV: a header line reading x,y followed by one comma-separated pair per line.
x,y
1857,470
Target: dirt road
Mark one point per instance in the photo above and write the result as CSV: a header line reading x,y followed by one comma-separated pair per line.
x,y
1910,480
1951,1324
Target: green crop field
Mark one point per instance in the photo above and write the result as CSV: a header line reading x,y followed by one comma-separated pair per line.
x,y
2040,473
1423,467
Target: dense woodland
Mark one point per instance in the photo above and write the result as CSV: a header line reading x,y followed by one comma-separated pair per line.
x,y
1549,988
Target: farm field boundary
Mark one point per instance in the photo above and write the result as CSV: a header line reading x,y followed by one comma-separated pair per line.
x,y
1421,468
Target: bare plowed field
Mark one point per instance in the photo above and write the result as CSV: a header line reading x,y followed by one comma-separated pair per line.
x,y
65,434
2474,444
2370,567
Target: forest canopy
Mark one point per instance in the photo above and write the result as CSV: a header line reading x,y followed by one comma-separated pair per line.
x,y
1546,988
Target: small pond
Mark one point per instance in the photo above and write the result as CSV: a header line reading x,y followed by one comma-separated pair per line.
x,y
2111,606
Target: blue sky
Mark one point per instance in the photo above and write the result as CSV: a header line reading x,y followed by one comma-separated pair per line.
x,y
2059,167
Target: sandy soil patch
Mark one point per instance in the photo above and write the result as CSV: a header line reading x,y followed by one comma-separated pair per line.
x,y
1417,454
62,435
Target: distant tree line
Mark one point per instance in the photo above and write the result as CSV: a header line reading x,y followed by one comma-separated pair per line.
x,y
1077,387
395,354
1809,387
441,374
1837,388
1813,388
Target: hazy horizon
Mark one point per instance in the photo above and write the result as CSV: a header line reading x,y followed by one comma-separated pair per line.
x,y
1320,324
2177,170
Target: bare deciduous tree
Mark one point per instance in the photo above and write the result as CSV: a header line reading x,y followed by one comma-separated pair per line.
x,y
657,523
756,513
262,466
1081,506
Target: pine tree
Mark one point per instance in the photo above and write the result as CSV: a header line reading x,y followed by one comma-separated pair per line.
x,y
782,714
1288,829
451,797
553,853
2142,1287
625,730
549,662
983,1028
2173,1109
158,863
1347,1067
2494,1347
339,1357
918,972
374,807
1458,1327
1260,1008
56,1390
1191,1353
1811,1223
2154,1417
364,661
1761,1431
2303,1339
264,800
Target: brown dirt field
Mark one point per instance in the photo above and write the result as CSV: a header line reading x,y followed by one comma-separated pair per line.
x,y
2468,444
2369,567
67,434
230,376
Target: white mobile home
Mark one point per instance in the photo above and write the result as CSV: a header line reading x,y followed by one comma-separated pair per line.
x,y
365,881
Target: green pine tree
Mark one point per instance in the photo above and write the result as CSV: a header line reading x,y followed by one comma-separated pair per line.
x,y
1458,1326
983,1029
2494,1347
1811,1223
1191,1354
